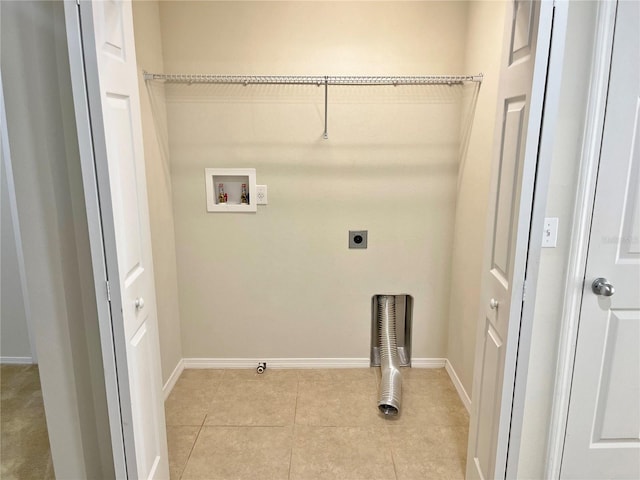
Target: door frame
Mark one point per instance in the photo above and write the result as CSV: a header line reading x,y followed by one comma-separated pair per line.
x,y
580,232
101,237
102,247
557,30
545,99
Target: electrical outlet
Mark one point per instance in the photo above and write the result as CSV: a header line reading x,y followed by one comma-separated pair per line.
x,y
550,233
358,238
261,194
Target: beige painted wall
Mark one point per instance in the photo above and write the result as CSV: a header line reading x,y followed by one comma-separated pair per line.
x,y
483,53
281,282
146,19
52,222
553,261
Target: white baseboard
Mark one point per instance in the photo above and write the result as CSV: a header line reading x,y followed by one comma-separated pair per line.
x,y
173,378
283,363
428,362
276,362
462,393
16,360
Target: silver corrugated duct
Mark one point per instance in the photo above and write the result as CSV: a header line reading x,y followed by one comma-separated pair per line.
x,y
391,382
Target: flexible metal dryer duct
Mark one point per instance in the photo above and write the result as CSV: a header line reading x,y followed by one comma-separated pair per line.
x,y
391,382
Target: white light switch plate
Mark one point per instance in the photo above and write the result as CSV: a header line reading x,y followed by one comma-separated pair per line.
x,y
261,195
550,233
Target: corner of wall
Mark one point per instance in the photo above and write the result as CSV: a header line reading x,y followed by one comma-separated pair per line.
x,y
483,49
146,17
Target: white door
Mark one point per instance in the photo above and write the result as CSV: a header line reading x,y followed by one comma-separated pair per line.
x,y
116,137
603,428
520,98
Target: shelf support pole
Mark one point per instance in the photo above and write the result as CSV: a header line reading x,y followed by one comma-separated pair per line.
x,y
325,135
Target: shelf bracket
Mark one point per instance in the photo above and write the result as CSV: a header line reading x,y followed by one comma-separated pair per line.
x,y
325,135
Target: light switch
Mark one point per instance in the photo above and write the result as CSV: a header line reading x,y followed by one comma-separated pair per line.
x,y
550,233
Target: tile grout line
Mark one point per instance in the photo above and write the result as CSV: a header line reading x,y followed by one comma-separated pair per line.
x,y
393,460
193,447
204,420
293,430
213,396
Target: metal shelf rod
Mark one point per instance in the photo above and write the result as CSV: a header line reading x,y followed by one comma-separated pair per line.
x,y
314,80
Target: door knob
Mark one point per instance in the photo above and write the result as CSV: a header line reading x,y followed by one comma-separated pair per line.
x,y
139,303
601,286
493,303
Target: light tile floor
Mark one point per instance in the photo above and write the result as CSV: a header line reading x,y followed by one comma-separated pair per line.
x,y
313,425
24,441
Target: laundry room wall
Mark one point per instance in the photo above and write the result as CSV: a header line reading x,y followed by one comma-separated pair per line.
x,y
146,23
485,32
281,282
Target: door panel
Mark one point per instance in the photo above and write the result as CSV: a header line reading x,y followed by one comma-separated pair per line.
x,y
522,31
511,138
603,426
488,406
618,385
124,180
110,13
145,412
629,245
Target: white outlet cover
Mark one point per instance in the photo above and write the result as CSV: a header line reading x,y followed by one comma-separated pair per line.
x,y
261,195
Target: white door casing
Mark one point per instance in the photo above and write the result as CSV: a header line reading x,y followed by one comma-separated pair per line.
x,y
108,55
518,124
603,428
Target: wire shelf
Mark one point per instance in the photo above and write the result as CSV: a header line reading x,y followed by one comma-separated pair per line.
x,y
313,79
318,80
